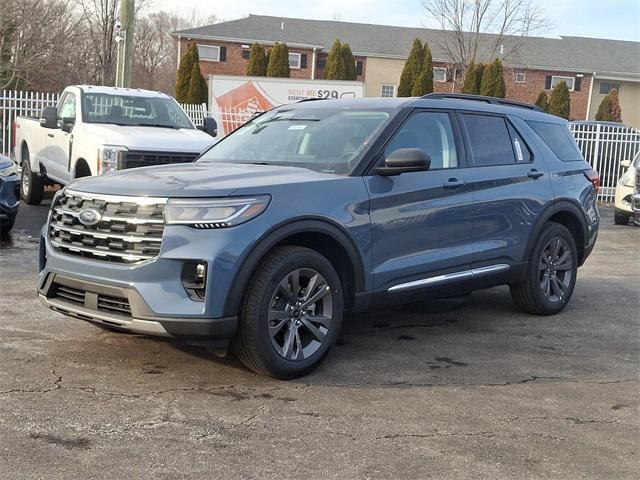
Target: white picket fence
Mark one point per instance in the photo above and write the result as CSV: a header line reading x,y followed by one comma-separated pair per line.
x,y
604,147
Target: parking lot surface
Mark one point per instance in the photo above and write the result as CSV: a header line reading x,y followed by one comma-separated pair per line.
x,y
459,389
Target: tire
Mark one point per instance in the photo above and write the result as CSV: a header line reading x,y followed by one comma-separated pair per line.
x,y
31,184
551,273
620,218
6,227
275,337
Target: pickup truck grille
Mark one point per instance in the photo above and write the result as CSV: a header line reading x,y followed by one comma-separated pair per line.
x,y
138,158
126,229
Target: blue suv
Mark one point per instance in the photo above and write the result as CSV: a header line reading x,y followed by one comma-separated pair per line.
x,y
319,208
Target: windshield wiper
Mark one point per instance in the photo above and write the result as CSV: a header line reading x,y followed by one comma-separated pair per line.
x,y
157,125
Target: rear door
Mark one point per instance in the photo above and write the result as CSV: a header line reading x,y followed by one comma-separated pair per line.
x,y
512,187
422,221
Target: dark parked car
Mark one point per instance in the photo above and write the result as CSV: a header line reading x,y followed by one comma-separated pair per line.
x,y
320,208
9,195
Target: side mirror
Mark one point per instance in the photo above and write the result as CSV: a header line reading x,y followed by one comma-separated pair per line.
x,y
405,160
209,126
49,117
66,124
625,163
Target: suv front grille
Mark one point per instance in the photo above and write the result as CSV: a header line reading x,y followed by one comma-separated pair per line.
x,y
104,303
128,230
139,158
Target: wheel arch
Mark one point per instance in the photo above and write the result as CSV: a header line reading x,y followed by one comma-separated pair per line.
x,y
567,213
81,167
321,235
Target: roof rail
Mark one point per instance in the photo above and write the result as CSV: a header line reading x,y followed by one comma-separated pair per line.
x,y
482,98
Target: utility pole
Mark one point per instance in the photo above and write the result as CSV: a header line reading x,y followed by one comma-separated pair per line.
x,y
125,43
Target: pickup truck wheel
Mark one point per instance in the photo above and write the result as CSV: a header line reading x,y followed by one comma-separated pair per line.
x,y
621,218
31,184
551,273
6,227
291,314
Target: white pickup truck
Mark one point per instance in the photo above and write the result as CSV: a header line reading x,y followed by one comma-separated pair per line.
x,y
97,130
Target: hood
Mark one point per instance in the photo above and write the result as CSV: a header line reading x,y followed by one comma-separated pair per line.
x,y
151,138
199,179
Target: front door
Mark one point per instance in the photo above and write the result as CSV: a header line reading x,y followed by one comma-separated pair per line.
x,y
422,221
59,142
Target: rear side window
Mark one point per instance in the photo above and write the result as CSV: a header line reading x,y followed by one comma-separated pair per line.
x,y
490,140
559,140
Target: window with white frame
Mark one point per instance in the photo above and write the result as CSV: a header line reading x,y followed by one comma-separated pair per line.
x,y
387,90
520,77
209,53
294,60
570,81
439,74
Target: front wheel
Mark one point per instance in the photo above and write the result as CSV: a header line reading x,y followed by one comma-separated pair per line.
x,y
551,273
621,218
31,184
291,314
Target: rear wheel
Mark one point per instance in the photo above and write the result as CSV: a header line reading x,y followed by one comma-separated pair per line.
x,y
291,315
6,226
621,218
31,184
551,273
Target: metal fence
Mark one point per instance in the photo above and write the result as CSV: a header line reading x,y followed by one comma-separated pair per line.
x,y
604,147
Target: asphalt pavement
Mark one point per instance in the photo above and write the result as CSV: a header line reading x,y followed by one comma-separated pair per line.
x,y
465,389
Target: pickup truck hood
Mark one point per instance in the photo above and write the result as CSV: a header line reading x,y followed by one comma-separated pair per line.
x,y
151,138
199,179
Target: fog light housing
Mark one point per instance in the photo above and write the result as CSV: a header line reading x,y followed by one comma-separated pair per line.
x,y
194,280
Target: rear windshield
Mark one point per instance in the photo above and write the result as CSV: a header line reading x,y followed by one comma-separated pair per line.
x,y
559,140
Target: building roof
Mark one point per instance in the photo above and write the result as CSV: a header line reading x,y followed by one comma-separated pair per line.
x,y
563,54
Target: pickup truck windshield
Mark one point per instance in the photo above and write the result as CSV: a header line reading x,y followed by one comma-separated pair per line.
x,y
133,111
328,140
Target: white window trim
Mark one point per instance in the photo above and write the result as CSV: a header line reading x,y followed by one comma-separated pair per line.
x,y
209,59
524,77
445,74
560,77
392,85
299,60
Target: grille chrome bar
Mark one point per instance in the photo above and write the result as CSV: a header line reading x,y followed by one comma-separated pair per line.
x,y
104,235
117,198
110,218
102,253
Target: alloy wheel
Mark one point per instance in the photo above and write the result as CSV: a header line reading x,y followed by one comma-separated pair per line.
x,y
555,269
300,313
26,182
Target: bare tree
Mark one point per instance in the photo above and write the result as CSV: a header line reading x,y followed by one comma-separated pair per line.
x,y
466,23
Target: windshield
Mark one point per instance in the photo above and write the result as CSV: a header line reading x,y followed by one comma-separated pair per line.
x,y
133,111
330,140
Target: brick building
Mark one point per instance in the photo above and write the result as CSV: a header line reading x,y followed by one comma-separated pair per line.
x,y
590,67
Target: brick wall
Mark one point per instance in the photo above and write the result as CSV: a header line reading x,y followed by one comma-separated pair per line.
x,y
236,65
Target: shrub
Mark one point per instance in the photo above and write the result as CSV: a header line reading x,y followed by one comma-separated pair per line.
x,y
257,66
470,83
609,109
479,72
411,70
492,83
334,68
350,72
183,80
543,101
560,101
423,83
278,61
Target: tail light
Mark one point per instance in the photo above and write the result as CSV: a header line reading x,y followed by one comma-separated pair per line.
x,y
594,178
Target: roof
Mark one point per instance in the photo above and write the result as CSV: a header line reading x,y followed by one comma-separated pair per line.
x,y
577,54
138,92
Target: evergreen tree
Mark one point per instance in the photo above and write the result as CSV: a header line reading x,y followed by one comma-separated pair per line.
x,y
183,79
411,70
469,85
423,83
195,90
334,68
492,84
609,109
560,101
257,66
278,61
543,101
350,72
479,73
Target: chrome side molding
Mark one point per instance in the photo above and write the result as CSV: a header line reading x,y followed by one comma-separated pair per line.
x,y
450,277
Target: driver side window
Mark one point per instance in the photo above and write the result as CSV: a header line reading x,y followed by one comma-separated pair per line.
x,y
430,132
67,108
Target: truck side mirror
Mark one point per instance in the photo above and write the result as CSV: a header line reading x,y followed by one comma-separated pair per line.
x,y
405,160
49,117
66,124
209,126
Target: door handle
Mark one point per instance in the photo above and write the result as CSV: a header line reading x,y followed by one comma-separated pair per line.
x,y
453,183
535,174
50,135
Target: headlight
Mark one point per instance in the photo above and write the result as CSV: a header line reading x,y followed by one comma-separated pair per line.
x,y
627,180
214,212
8,171
108,157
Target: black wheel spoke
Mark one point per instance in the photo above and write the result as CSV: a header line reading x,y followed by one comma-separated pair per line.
x,y
323,289
294,278
285,288
315,331
275,328
320,319
289,343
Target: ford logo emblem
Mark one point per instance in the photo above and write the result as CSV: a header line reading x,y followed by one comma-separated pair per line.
x,y
89,217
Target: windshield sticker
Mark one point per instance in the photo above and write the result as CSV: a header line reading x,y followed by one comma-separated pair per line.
x,y
297,126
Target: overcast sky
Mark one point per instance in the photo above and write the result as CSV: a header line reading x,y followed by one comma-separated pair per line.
x,y
616,19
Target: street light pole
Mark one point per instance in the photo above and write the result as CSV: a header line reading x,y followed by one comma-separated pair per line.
x,y
125,43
